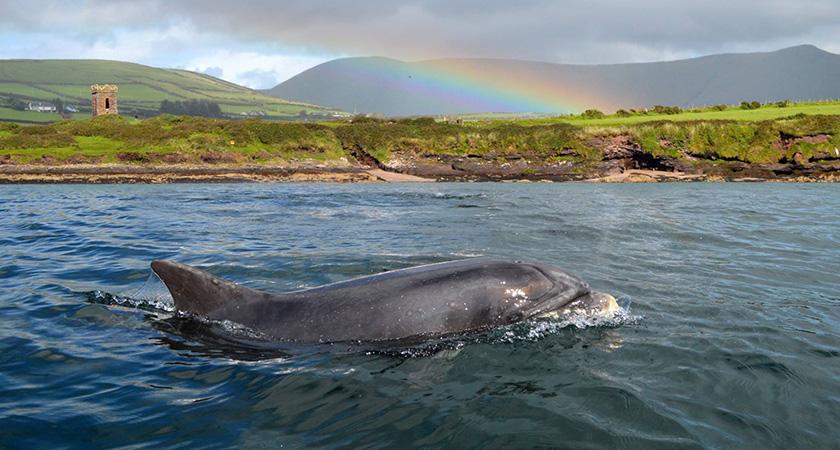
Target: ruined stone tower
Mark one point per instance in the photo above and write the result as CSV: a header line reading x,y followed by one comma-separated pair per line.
x,y
103,99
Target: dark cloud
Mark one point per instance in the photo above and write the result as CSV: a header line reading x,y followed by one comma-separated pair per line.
x,y
550,30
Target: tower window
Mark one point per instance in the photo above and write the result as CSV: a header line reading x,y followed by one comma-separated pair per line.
x,y
107,103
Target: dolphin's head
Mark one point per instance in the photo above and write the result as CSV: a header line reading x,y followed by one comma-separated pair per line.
x,y
550,292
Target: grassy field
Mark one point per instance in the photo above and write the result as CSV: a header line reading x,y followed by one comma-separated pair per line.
x,y
13,115
142,88
766,112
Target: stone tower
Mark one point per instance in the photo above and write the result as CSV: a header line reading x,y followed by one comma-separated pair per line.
x,y
103,99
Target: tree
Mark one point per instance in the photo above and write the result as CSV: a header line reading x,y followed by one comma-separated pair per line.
x,y
59,106
16,103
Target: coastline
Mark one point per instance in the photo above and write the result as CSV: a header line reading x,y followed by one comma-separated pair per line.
x,y
168,149
139,174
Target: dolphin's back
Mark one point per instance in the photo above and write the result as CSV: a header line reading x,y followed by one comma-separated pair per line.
x,y
433,299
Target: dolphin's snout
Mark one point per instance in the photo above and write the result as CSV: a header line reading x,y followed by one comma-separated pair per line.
x,y
593,304
601,303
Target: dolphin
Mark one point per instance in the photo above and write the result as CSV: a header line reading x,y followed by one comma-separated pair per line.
x,y
429,300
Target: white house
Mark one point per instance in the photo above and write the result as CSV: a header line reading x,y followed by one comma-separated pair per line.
x,y
41,107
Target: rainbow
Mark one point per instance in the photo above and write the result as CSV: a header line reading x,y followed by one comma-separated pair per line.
x,y
481,85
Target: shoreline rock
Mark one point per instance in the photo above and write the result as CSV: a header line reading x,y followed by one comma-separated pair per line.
x,y
119,174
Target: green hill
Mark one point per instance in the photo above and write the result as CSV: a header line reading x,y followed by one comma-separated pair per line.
x,y
141,89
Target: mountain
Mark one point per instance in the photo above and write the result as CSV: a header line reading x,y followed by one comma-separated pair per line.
x,y
141,89
457,86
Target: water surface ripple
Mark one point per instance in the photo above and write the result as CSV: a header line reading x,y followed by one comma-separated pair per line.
x,y
735,289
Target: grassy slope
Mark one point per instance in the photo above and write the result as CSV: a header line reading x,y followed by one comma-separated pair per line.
x,y
142,88
168,140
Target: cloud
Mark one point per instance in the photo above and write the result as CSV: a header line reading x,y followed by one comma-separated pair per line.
x,y
260,40
212,71
253,69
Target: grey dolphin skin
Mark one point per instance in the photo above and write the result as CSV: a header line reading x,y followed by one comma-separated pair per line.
x,y
428,300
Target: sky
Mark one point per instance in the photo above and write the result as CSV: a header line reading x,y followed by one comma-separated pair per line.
x,y
259,43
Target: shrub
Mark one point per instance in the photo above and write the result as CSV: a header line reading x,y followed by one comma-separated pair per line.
x,y
623,113
420,121
720,107
659,109
23,141
782,104
36,130
750,105
366,119
592,114
8,126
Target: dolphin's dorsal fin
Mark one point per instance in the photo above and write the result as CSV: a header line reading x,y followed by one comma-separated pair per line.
x,y
195,290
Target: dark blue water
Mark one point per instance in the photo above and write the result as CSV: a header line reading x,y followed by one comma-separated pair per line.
x,y
732,339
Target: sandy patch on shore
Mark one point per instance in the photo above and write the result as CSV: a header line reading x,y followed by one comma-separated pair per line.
x,y
647,176
394,177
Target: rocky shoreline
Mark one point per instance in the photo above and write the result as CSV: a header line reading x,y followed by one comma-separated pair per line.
x,y
461,170
119,174
623,161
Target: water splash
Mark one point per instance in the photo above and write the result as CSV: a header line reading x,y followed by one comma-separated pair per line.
x,y
535,330
151,296
543,328
108,299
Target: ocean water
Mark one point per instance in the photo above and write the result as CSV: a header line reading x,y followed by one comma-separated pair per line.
x,y
730,336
